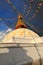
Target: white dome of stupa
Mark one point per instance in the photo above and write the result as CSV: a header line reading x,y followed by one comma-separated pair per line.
x,y
22,35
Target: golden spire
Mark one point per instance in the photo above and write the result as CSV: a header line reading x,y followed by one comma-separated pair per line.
x,y
20,22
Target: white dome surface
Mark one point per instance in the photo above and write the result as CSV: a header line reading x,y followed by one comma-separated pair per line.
x,y
22,35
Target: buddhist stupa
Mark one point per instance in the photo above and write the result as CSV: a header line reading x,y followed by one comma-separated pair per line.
x,y
21,34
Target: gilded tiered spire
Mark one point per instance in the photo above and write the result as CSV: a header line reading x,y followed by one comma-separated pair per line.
x,y
20,22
